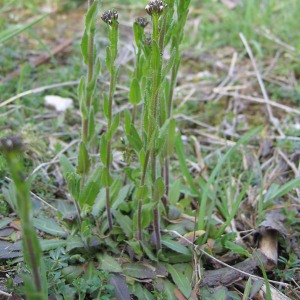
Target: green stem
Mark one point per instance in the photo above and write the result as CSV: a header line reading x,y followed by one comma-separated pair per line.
x,y
90,71
31,247
153,107
113,51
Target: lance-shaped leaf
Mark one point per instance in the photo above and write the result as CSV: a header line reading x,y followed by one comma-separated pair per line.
x,y
83,160
113,127
159,189
103,149
155,57
135,92
90,19
105,105
85,47
91,189
106,179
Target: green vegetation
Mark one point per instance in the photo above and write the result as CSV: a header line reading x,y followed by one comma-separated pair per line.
x,y
173,161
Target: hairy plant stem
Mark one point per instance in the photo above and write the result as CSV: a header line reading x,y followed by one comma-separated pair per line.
x,y
112,69
137,76
169,115
90,71
31,248
151,153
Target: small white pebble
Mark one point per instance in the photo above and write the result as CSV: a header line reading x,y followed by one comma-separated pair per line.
x,y
58,103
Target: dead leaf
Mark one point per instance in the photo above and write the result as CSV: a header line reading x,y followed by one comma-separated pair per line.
x,y
179,295
190,237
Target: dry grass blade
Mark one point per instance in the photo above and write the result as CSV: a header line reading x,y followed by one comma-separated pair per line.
x,y
273,120
36,91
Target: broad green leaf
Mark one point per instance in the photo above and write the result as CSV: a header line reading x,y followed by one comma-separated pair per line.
x,y
83,166
99,204
82,98
174,192
47,245
90,19
149,252
140,292
120,287
181,281
163,135
72,272
106,179
135,92
115,188
138,33
121,196
91,189
108,60
142,192
73,182
85,47
169,243
139,270
169,289
105,105
90,271
125,223
114,126
49,226
4,222
91,130
127,118
73,242
155,56
66,165
147,214
103,149
109,264
134,139
159,189
142,156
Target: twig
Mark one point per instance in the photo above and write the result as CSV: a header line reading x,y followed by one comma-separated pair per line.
x,y
53,160
259,100
5,294
267,34
262,86
37,197
37,90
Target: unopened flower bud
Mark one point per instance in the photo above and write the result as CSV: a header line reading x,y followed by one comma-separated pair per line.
x,y
110,16
155,7
141,22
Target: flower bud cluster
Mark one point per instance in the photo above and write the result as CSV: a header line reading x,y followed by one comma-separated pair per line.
x,y
110,16
141,22
155,7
